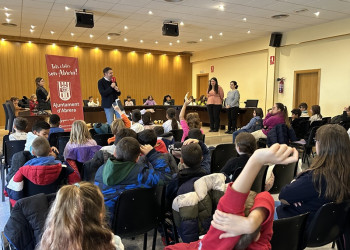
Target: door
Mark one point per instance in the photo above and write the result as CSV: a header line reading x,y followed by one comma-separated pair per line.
x,y
307,87
202,84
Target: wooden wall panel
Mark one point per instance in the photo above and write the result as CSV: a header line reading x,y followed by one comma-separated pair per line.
x,y
138,74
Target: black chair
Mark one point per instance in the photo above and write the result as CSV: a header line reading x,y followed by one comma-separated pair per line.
x,y
327,225
130,220
86,103
284,174
133,100
102,139
92,132
177,134
144,100
326,120
53,137
9,149
221,154
288,232
6,116
259,182
61,144
310,143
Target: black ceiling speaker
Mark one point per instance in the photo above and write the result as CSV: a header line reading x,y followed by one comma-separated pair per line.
x,y
84,20
275,40
170,29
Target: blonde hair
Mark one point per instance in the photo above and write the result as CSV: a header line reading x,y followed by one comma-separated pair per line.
x,y
80,133
193,120
116,125
77,220
32,97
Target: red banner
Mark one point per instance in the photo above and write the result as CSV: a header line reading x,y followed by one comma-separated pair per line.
x,y
64,80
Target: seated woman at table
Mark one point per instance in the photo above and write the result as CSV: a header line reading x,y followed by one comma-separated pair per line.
x,y
150,101
79,137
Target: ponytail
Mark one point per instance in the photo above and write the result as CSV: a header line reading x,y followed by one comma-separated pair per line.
x,y
171,115
285,113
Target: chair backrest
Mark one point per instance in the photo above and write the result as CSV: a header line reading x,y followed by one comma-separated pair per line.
x,y
327,225
326,120
259,182
221,154
289,232
144,100
316,124
177,133
61,144
137,211
86,103
172,101
102,139
92,132
284,174
53,137
12,147
6,115
310,141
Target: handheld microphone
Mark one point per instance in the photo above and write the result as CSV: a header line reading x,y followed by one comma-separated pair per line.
x,y
113,79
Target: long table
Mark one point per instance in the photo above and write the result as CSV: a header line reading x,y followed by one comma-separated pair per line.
x,y
97,114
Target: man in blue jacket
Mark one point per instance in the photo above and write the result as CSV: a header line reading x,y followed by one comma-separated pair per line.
x,y
108,88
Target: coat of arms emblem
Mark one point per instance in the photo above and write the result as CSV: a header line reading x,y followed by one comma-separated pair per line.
x,y
64,90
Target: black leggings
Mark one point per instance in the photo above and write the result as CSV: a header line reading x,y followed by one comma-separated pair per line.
x,y
232,114
214,116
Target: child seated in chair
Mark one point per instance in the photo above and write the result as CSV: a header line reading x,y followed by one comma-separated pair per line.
x,y
41,129
230,228
19,126
136,117
123,171
55,124
42,170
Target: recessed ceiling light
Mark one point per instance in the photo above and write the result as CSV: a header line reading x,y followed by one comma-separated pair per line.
x,y
248,31
72,34
8,20
116,50
150,12
31,30
280,16
220,34
244,19
182,23
2,39
141,41
7,14
317,13
76,46
66,8
125,27
221,7
133,51
210,37
32,26
125,39
171,44
96,48
201,40
52,32
149,53
30,42
54,45
108,37
6,8
91,35
156,42
178,41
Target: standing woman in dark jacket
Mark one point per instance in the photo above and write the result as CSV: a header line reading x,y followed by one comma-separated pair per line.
x,y
214,104
232,106
42,94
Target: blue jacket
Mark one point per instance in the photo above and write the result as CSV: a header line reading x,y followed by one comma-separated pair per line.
x,y
116,176
256,123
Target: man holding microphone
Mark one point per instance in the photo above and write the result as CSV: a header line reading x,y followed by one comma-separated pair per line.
x,y
107,86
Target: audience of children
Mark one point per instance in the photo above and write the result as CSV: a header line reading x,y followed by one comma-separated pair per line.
x,y
136,117
77,220
277,115
33,103
40,128
55,124
91,102
19,125
256,123
79,137
171,123
128,101
167,100
42,170
150,101
202,101
124,172
117,124
303,108
315,114
326,180
226,230
192,120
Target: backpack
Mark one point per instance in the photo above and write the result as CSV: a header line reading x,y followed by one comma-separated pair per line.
x,y
102,128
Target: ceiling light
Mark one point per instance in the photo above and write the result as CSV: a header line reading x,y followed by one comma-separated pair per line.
x,y
178,41
210,37
133,51
220,34
141,41
96,48
52,32
150,12
116,50
221,7
53,45
248,31
8,20
171,44
76,46
6,8
30,42
108,37
149,53
201,40
32,26
2,39
317,13
66,8
91,35
156,42
72,34
125,27
7,14
182,23
31,30
244,19
125,39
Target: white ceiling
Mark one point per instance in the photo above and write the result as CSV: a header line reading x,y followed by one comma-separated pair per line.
x,y
202,18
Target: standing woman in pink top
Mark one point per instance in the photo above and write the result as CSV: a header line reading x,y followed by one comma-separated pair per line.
x,y
214,104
